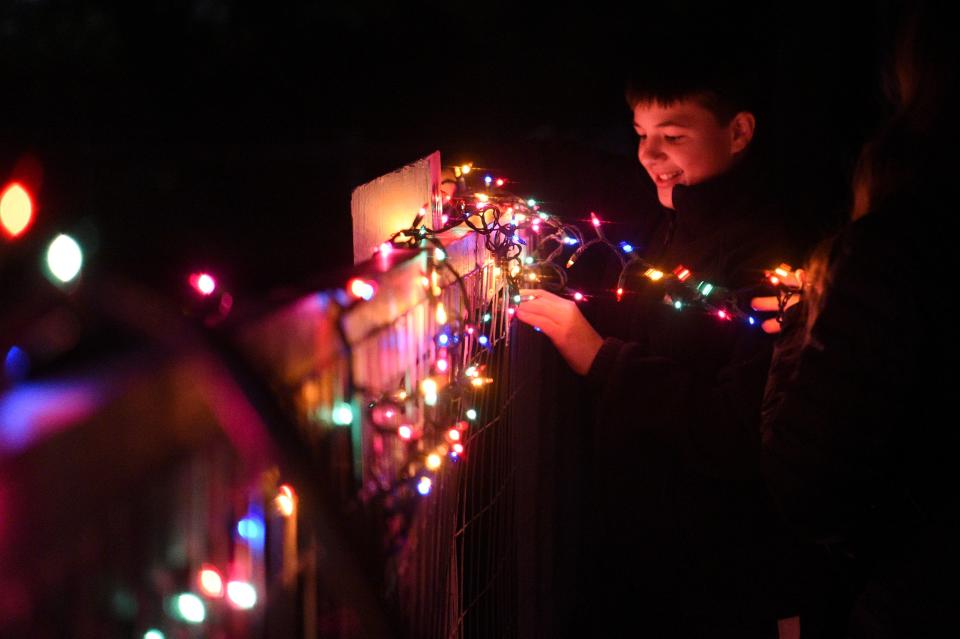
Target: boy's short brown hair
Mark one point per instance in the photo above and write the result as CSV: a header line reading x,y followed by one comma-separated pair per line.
x,y
720,74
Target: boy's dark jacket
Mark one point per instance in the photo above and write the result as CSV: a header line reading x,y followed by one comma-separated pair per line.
x,y
677,525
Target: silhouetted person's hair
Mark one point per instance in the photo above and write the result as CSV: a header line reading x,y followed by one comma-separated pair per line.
x,y
921,84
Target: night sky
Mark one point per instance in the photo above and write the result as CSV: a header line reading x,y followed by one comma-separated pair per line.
x,y
211,133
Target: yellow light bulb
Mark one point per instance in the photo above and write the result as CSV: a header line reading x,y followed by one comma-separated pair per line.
x,y
286,501
433,461
654,274
428,387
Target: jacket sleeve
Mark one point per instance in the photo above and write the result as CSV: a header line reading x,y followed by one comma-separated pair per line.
x,y
709,412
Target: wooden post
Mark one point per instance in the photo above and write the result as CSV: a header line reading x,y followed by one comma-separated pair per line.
x,y
389,204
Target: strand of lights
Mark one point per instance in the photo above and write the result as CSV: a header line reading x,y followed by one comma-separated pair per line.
x,y
500,219
787,282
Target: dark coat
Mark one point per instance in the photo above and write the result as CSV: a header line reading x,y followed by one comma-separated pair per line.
x,y
859,444
676,503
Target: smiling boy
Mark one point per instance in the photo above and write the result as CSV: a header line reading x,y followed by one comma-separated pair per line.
x,y
685,143
681,142
674,501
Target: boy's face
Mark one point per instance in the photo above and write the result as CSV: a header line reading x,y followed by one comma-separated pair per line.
x,y
685,144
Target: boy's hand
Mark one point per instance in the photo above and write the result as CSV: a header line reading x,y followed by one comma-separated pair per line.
x,y
772,303
564,324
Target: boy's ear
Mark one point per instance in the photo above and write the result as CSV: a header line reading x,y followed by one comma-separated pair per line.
x,y
741,131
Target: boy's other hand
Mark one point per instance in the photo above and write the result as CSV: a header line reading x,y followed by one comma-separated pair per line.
x,y
771,304
564,324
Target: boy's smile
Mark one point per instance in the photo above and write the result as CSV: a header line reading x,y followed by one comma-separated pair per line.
x,y
684,143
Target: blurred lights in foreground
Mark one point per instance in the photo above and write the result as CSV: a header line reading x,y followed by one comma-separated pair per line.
x,y
361,289
654,274
64,258
16,364
429,389
342,414
203,283
210,581
424,485
242,594
189,608
153,633
16,210
252,529
286,501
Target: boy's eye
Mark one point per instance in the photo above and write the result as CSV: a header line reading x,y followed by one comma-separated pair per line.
x,y
673,138
641,136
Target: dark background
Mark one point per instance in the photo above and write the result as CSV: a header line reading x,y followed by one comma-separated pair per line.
x,y
177,135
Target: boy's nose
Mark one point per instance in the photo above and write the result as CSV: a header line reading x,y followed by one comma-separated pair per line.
x,y
648,152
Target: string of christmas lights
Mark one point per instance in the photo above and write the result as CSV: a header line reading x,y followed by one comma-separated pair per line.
x,y
526,245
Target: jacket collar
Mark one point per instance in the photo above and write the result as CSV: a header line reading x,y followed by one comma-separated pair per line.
x,y
709,206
